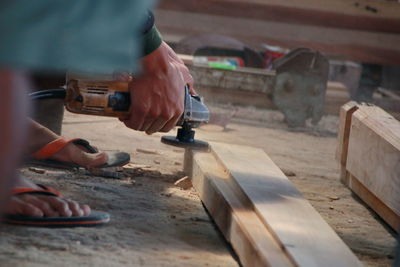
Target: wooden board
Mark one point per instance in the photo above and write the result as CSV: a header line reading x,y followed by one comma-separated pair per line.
x,y
242,98
243,79
369,157
264,191
346,112
373,155
368,15
388,93
372,201
240,226
375,47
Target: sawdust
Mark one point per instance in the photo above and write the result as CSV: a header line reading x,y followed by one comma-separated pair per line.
x,y
155,223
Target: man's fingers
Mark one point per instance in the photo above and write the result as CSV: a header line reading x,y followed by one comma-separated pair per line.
x,y
170,124
156,126
192,91
188,78
146,124
158,94
137,119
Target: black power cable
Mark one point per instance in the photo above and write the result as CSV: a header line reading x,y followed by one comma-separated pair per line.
x,y
48,94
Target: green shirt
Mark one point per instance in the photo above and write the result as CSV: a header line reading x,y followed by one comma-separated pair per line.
x,y
98,36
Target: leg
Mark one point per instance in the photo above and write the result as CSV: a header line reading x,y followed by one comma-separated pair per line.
x,y
40,136
51,120
13,110
13,116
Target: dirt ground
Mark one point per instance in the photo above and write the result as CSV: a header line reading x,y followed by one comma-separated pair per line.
x,y
155,223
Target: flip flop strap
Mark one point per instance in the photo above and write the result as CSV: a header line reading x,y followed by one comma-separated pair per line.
x,y
47,190
54,146
84,143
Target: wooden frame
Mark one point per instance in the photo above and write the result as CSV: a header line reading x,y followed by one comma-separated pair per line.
x,y
380,47
258,210
366,15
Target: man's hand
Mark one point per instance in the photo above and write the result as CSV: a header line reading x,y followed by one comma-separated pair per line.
x,y
157,96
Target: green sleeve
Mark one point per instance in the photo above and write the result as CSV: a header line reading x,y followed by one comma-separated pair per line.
x,y
152,40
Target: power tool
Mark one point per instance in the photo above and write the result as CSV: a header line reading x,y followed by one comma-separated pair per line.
x,y
112,98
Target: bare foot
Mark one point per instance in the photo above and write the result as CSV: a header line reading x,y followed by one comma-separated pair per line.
x,y
75,154
43,206
40,136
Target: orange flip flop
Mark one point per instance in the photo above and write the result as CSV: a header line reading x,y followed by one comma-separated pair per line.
x,y
41,157
96,218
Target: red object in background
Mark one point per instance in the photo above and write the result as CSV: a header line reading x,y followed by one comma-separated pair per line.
x,y
272,53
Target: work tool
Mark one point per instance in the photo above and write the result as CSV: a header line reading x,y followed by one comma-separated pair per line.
x,y
112,98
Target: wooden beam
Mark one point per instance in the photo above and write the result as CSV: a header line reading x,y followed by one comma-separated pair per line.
x,y
240,226
242,79
380,207
264,194
381,48
366,15
242,86
388,93
241,98
346,112
373,158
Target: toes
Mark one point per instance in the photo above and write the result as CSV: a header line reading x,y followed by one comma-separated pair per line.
x,y
73,153
91,159
66,207
75,208
60,205
43,204
32,211
86,210
20,207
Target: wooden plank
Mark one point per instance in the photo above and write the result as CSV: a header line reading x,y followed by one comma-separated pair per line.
x,y
386,213
346,112
364,15
302,232
242,98
375,47
388,104
388,93
374,155
253,244
242,86
243,79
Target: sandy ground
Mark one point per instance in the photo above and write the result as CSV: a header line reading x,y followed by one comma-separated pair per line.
x,y
154,223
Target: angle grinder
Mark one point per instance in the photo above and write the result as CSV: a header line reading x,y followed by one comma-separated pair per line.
x,y
112,98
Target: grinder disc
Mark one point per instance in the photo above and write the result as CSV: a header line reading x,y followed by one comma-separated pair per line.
x,y
173,141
